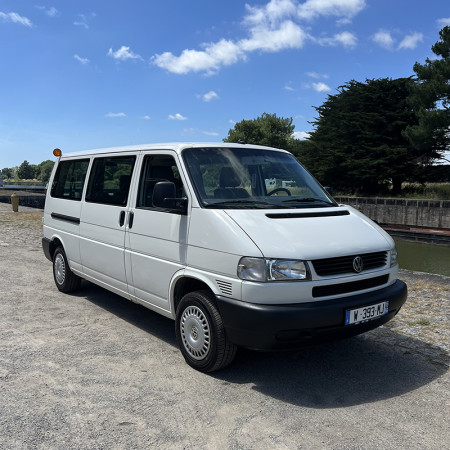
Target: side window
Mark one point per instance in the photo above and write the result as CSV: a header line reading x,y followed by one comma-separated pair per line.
x,y
69,179
157,168
109,181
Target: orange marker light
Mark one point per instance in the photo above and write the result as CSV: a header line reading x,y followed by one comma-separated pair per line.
x,y
57,152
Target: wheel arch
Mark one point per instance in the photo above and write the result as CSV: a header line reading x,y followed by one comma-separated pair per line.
x,y
55,242
185,282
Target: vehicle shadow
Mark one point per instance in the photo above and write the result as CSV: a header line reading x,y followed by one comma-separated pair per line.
x,y
133,313
338,374
359,370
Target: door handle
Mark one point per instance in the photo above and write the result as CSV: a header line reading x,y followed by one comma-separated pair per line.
x,y
121,218
130,219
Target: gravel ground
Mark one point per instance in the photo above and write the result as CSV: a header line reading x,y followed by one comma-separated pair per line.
x,y
92,371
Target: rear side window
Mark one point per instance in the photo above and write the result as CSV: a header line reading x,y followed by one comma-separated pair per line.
x,y
109,181
69,179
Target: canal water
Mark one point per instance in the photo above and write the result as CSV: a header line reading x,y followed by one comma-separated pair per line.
x,y
423,257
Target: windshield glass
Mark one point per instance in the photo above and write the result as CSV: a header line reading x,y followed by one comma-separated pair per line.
x,y
247,178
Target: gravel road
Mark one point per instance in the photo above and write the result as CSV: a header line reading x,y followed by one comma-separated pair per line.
x,y
94,371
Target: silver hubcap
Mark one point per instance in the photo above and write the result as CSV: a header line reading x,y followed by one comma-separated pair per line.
x,y
60,269
195,332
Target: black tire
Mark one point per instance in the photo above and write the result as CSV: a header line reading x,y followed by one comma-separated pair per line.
x,y
201,334
65,279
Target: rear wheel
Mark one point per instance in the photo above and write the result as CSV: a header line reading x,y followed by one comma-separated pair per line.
x,y
65,279
201,334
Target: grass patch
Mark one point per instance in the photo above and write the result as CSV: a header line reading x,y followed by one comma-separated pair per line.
x,y
431,191
422,322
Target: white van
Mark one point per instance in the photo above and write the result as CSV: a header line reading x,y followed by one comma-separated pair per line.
x,y
193,232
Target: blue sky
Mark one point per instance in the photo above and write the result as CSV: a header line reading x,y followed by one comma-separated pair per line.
x,y
89,74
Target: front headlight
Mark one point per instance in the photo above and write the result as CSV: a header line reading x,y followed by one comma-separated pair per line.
x,y
252,269
394,256
262,270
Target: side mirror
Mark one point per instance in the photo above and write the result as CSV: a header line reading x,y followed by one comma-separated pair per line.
x,y
164,196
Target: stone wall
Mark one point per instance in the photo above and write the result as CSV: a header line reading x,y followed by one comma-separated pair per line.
x,y
392,211
33,201
389,211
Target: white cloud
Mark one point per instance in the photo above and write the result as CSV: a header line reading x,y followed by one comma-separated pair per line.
x,y
51,12
289,88
321,87
311,9
145,117
346,39
271,27
176,116
82,20
343,22
384,39
273,11
301,135
15,18
123,54
317,76
210,133
81,60
445,21
209,60
211,95
121,114
410,41
287,35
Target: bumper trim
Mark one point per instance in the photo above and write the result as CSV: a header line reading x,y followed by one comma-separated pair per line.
x,y
277,327
46,247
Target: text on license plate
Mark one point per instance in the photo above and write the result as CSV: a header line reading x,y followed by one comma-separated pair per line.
x,y
353,316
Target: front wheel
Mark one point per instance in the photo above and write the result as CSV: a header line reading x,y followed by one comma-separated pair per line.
x,y
65,279
200,333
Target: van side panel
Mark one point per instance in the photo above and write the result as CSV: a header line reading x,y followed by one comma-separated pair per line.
x,y
157,247
62,221
102,244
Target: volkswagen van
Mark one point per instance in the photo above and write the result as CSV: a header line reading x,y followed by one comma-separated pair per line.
x,y
238,244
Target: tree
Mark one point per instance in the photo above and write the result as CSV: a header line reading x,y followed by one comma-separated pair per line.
x,y
268,129
26,171
7,173
430,98
44,170
358,143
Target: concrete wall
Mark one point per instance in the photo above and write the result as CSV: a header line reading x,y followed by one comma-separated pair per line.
x,y
416,213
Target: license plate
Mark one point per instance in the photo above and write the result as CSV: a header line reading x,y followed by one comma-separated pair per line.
x,y
354,316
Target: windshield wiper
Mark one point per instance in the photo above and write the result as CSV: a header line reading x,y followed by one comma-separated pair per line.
x,y
241,202
308,200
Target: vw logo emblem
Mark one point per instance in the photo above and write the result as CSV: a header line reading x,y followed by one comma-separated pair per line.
x,y
358,264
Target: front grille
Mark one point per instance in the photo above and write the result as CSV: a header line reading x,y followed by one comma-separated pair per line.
x,y
344,264
344,288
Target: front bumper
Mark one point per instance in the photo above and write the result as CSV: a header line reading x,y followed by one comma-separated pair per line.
x,y
276,327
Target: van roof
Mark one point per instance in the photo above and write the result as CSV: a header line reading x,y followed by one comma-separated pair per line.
x,y
176,146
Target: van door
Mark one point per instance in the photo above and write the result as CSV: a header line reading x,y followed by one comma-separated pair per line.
x,y
103,216
156,237
63,207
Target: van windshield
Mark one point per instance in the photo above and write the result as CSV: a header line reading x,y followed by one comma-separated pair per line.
x,y
248,178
